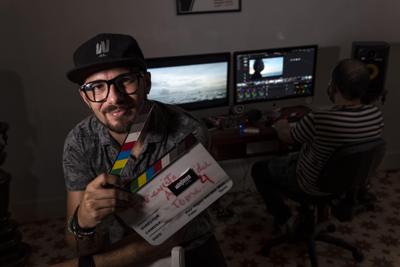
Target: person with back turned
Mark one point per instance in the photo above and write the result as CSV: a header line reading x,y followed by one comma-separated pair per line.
x,y
318,133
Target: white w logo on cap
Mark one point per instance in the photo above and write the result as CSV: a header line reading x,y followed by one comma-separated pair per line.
x,y
102,48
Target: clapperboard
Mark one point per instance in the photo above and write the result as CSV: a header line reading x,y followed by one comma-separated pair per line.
x,y
175,189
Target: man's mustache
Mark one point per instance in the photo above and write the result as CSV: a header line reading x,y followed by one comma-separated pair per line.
x,y
113,107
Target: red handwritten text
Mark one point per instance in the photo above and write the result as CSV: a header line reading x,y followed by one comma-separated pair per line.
x,y
182,201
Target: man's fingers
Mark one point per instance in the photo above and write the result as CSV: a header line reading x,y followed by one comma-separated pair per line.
x,y
99,214
111,179
102,193
103,180
98,209
98,204
90,213
114,193
96,183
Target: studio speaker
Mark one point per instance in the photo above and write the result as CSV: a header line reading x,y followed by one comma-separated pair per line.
x,y
375,55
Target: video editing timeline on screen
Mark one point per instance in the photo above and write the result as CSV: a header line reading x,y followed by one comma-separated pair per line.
x,y
274,74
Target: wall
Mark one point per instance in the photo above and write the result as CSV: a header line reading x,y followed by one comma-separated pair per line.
x,y
38,39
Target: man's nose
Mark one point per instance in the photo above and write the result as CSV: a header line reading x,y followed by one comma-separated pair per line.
x,y
114,95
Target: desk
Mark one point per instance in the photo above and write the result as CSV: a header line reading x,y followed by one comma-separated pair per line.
x,y
229,143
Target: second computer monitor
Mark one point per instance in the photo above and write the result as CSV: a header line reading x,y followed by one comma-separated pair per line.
x,y
274,74
192,82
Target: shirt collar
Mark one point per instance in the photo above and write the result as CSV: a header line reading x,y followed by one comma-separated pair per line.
x,y
157,128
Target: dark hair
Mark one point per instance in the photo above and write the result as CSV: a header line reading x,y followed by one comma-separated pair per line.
x,y
351,77
258,65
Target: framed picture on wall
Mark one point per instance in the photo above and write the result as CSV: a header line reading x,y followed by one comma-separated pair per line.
x,y
186,7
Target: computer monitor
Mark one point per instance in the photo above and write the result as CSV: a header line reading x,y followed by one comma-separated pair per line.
x,y
192,82
274,74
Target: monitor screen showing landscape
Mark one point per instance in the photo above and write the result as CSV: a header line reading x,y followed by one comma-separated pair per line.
x,y
192,82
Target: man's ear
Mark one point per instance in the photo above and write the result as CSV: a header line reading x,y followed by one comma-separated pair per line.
x,y
147,82
83,96
331,91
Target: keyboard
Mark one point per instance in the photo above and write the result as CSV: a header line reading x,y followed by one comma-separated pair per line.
x,y
224,121
268,118
291,114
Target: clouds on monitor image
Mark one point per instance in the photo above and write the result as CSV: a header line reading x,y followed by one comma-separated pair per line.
x,y
272,66
189,83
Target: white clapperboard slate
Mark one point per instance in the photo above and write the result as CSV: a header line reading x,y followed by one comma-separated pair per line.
x,y
177,194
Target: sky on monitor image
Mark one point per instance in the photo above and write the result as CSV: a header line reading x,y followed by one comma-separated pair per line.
x,y
272,66
189,83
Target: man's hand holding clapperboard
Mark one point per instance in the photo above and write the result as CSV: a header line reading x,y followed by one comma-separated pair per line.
x,y
175,189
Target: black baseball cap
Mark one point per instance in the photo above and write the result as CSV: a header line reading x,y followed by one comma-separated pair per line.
x,y
104,51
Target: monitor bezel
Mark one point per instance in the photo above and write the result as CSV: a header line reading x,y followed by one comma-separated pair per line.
x,y
269,50
195,59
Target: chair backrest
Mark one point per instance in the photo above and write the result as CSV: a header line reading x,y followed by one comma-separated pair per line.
x,y
176,259
351,165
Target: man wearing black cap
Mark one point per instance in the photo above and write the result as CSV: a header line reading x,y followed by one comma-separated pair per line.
x,y
114,83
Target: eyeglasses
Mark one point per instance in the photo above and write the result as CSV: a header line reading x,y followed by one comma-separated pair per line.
x,y
126,83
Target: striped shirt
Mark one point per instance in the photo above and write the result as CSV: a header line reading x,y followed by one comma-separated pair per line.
x,y
321,132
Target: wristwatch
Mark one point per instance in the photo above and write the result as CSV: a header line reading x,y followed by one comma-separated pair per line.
x,y
79,232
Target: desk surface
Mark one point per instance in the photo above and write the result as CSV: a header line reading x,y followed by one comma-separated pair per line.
x,y
230,143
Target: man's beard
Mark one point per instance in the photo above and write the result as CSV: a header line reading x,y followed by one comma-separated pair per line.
x,y
119,127
122,126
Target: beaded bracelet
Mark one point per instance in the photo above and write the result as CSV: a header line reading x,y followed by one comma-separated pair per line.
x,y
76,230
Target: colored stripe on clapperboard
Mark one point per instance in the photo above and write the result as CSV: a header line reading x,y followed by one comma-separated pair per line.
x,y
134,134
162,163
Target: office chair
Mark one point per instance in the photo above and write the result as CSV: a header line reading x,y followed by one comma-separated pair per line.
x,y
344,174
176,259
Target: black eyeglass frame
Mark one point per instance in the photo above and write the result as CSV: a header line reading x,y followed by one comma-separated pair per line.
x,y
139,75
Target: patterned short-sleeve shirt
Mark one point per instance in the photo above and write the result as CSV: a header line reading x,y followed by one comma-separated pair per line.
x,y
89,150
